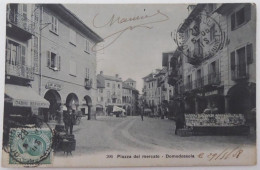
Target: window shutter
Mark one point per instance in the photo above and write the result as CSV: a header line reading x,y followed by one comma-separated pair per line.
x,y
249,53
233,21
248,12
56,25
217,66
58,62
48,58
233,60
23,54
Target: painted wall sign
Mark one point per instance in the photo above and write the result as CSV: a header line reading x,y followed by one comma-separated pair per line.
x,y
54,86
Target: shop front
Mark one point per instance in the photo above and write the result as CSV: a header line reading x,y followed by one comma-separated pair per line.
x,y
206,113
22,107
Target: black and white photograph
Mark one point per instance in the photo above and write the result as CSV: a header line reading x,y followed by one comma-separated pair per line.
x,y
129,85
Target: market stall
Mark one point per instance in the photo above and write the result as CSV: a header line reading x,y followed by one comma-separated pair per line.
x,y
215,124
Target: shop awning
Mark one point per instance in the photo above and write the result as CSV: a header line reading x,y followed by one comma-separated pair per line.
x,y
22,96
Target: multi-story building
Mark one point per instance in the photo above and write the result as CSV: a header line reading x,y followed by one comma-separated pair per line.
x,y
217,58
21,101
49,49
111,87
127,98
151,92
112,91
66,65
240,65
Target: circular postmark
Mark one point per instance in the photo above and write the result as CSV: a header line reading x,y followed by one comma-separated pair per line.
x,y
199,37
29,145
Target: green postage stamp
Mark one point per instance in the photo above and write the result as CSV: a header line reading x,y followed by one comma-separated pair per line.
x,y
30,146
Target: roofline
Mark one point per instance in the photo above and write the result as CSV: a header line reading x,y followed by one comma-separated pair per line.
x,y
75,20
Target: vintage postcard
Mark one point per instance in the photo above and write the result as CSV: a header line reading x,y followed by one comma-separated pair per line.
x,y
129,85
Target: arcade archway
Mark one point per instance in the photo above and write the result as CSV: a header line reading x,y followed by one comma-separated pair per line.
x,y
242,98
89,105
72,100
55,101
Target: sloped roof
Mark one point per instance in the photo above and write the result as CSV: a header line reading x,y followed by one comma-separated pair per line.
x,y
129,79
74,20
126,86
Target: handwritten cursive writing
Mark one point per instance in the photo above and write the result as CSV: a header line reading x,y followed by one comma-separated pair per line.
x,y
223,155
116,35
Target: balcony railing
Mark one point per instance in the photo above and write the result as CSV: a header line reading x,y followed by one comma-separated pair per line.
x,y
26,26
196,57
88,83
208,80
239,72
19,70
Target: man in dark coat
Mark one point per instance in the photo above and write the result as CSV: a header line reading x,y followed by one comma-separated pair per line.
x,y
69,119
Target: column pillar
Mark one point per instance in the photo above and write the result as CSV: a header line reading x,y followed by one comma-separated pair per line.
x,y
227,104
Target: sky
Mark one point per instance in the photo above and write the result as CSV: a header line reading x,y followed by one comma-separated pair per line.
x,y
131,48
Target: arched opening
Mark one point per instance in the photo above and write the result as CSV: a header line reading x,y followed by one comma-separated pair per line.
x,y
99,109
242,98
72,100
89,105
55,101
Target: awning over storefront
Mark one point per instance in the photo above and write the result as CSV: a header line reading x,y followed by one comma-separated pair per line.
x,y
22,96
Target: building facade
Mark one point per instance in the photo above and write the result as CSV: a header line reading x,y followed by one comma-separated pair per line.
x,y
112,91
214,64
66,70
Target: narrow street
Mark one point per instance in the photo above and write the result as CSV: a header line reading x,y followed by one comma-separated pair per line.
x,y
131,134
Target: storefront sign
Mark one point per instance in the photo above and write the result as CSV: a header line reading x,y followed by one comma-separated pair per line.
x,y
53,86
26,103
214,120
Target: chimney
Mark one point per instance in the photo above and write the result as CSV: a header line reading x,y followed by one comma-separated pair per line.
x,y
101,72
117,75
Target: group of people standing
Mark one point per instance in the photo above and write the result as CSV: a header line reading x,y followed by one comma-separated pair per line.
x,y
66,114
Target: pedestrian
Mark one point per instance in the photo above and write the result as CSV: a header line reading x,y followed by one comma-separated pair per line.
x,y
142,115
69,119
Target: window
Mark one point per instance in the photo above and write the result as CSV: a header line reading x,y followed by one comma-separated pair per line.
x,y
87,46
118,86
242,56
73,68
114,100
102,99
53,61
54,25
73,35
15,53
240,17
108,84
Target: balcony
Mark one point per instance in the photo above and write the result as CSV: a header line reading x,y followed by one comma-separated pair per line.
x,y
19,25
239,72
18,70
213,79
88,83
174,77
